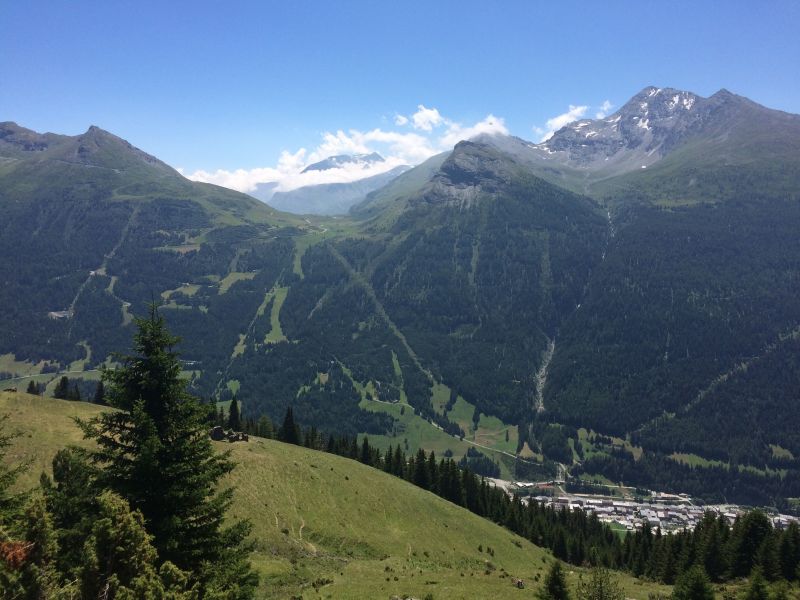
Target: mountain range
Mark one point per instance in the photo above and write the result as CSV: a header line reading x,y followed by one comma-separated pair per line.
x,y
621,298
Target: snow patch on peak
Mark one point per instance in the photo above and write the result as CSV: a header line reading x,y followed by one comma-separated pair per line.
x,y
688,102
643,123
674,102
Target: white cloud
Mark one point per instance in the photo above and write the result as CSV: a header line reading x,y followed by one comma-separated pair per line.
x,y
426,119
456,133
397,147
604,109
244,180
555,123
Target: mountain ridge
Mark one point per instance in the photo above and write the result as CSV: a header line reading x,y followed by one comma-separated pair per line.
x,y
462,297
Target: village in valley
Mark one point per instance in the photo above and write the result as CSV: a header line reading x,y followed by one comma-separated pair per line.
x,y
658,510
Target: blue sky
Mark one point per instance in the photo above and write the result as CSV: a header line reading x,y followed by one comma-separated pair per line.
x,y
232,85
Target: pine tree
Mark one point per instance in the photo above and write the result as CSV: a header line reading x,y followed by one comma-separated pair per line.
x,y
599,585
433,473
365,455
560,545
154,451
789,551
120,561
62,388
74,393
747,536
757,590
555,584
234,419
100,394
420,476
311,438
289,432
693,585
38,578
33,388
768,559
71,497
264,427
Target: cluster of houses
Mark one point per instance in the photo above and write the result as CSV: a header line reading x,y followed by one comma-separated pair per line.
x,y
665,511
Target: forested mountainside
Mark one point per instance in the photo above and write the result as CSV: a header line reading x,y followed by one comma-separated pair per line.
x,y
623,296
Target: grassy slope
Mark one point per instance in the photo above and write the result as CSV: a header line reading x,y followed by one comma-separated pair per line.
x,y
44,426
321,517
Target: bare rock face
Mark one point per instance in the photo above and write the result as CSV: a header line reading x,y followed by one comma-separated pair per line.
x,y
650,124
472,170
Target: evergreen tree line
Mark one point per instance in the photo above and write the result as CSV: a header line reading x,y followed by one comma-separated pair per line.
x,y
70,389
141,515
714,551
723,552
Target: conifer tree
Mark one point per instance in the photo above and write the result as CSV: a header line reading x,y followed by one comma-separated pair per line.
x,y
71,497
433,473
33,388
365,455
120,561
747,536
555,584
387,461
693,585
420,476
264,427
100,394
289,431
757,590
599,585
61,391
38,578
234,418
74,393
789,551
154,451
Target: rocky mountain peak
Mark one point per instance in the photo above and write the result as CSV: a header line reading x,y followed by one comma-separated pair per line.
x,y
642,130
655,103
